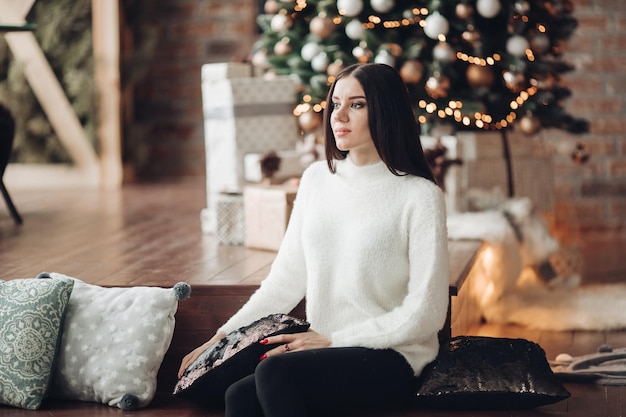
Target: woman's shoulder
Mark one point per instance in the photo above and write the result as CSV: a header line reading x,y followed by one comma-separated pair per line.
x,y
316,169
420,190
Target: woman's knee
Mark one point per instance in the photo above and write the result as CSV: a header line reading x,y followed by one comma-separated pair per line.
x,y
241,400
269,369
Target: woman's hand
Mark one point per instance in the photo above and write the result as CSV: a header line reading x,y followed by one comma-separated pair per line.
x,y
295,342
193,355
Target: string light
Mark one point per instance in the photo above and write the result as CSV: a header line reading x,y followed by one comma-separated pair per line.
x,y
479,119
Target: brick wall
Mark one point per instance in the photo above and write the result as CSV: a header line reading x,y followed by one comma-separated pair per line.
x,y
164,132
591,198
165,43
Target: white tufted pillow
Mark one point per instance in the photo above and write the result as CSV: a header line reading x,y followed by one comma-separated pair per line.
x,y
114,340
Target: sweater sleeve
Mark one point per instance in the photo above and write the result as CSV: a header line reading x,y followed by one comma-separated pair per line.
x,y
423,311
285,285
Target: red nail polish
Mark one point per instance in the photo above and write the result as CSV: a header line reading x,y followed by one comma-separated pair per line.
x,y
263,342
263,356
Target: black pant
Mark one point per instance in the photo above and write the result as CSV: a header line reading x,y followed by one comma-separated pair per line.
x,y
324,381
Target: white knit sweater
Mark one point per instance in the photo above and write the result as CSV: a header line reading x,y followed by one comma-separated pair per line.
x,y
369,250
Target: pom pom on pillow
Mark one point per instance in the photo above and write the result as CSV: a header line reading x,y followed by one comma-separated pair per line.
x,y
114,341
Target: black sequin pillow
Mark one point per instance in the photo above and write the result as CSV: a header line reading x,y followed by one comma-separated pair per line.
x,y
232,358
474,372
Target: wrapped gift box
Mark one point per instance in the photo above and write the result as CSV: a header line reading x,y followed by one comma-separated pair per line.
x,y
484,168
267,211
242,115
230,217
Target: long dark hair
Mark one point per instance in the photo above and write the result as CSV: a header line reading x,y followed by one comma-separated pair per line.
x,y
391,121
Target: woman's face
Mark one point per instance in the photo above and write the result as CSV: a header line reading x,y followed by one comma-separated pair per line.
x,y
349,122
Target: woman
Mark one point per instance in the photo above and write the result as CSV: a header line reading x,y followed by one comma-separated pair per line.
x,y
367,245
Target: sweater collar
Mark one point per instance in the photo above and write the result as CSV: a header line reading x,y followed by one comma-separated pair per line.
x,y
362,175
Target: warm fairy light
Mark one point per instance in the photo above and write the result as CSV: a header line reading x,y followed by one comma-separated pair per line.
x,y
483,62
480,120
307,98
301,108
391,24
318,108
541,28
300,5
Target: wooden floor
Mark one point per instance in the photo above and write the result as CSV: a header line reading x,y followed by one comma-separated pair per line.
x,y
151,235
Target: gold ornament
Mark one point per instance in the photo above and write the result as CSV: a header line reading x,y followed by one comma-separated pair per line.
x,y
321,26
529,124
393,48
335,68
362,53
309,120
412,71
464,11
282,47
437,86
479,76
540,43
514,81
271,7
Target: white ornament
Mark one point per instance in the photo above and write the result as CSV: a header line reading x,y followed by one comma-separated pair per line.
x,y
517,45
354,30
443,52
309,50
259,59
488,8
382,6
436,25
350,8
320,62
280,23
384,57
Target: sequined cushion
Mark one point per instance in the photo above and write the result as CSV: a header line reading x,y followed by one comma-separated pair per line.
x,y
474,372
232,358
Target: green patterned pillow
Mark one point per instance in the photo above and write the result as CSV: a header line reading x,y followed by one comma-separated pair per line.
x,y
31,318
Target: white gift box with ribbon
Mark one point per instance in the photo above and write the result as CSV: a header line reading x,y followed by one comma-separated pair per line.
x,y
242,115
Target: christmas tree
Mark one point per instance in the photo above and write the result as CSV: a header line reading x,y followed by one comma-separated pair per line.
x,y
469,64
